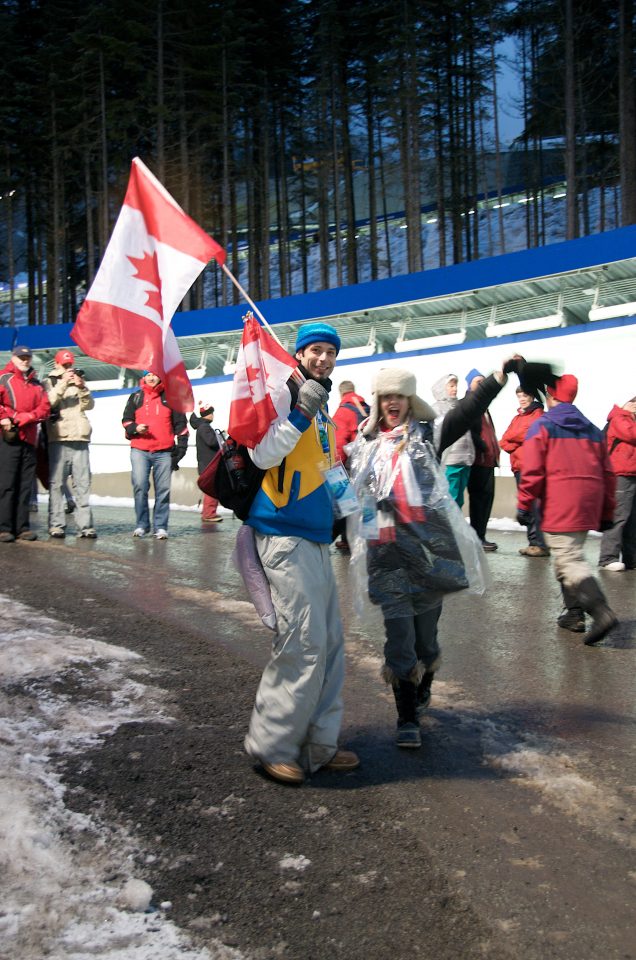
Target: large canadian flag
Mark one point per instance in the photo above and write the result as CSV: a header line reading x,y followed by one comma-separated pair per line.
x,y
259,393
154,255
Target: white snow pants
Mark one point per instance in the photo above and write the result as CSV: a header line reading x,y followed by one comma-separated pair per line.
x,y
298,709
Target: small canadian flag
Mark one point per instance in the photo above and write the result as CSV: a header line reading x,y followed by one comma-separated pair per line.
x,y
259,394
154,255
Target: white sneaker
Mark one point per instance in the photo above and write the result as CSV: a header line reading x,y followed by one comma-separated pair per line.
x,y
161,534
616,566
139,532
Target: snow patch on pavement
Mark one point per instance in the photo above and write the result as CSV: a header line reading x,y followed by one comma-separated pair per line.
x,y
67,888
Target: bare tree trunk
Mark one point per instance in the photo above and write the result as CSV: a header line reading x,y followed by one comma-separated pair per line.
x,y
495,117
161,155
186,303
385,212
572,225
226,180
264,202
104,226
283,212
8,206
90,227
371,184
336,186
351,255
53,245
30,241
627,111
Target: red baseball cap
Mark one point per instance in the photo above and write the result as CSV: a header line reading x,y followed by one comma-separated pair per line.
x,y
64,356
565,389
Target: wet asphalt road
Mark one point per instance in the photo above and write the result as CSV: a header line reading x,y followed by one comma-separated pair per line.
x,y
520,802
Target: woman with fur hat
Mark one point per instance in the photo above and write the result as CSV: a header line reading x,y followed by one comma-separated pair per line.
x,y
394,466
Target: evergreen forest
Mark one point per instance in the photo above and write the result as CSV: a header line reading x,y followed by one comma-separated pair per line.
x,y
284,126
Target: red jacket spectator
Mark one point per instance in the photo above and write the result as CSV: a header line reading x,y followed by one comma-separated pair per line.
x,y
23,400
352,411
567,467
149,406
513,438
486,446
621,441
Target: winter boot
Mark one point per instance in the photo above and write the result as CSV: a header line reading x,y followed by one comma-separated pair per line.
x,y
593,601
573,617
408,731
423,697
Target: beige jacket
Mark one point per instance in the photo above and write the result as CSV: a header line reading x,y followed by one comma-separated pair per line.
x,y
68,403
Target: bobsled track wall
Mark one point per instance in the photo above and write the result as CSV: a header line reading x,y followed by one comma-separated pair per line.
x,y
602,357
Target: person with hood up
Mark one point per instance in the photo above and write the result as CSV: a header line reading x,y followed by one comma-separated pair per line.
x,y
481,479
151,426
459,457
23,405
530,409
207,446
68,433
621,443
566,466
393,463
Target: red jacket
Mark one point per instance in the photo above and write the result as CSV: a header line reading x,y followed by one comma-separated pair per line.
x,y
351,412
622,428
512,440
23,399
567,468
486,446
148,405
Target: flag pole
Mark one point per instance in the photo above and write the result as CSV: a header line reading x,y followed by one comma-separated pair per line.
x,y
297,374
258,313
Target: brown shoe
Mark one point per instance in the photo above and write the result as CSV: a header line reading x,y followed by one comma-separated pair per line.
x,y
285,772
27,535
342,761
534,552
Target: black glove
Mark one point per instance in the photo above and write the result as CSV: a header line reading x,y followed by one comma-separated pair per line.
x,y
606,525
524,517
513,365
174,458
311,397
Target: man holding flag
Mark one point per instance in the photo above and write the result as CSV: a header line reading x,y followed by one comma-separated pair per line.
x,y
298,711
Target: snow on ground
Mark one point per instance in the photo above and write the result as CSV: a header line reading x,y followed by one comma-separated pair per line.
x,y
67,883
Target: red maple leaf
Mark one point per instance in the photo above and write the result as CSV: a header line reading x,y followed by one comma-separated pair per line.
x,y
147,269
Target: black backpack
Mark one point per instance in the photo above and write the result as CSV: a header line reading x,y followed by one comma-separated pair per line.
x,y
232,477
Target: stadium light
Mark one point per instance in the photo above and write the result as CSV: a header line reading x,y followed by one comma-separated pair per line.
x,y
425,343
608,313
525,326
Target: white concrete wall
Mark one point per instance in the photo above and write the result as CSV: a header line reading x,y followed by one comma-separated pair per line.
x,y
604,360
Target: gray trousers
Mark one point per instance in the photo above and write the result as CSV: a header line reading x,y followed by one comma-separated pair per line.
x,y
298,708
411,642
622,537
69,458
570,566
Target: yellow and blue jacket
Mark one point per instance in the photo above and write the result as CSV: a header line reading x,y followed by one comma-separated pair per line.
x,y
294,500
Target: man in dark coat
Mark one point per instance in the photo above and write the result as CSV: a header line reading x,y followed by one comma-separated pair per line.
x,y
207,446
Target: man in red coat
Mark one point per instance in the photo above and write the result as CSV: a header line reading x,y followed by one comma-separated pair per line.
x,y
352,411
530,409
621,444
567,468
23,404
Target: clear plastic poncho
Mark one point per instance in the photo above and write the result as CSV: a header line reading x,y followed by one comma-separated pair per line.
x,y
410,544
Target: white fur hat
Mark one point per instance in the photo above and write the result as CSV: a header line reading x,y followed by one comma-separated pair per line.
x,y
396,380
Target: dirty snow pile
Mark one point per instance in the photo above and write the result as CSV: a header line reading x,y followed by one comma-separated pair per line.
x,y
67,883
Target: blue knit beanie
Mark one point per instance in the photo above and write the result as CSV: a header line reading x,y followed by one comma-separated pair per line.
x,y
471,376
317,333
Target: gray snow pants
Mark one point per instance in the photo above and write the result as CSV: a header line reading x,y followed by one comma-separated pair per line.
x,y
298,709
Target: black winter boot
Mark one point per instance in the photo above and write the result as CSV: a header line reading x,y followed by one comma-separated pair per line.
x,y
593,601
408,733
573,617
423,697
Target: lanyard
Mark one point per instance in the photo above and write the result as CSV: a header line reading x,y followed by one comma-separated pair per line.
x,y
323,435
